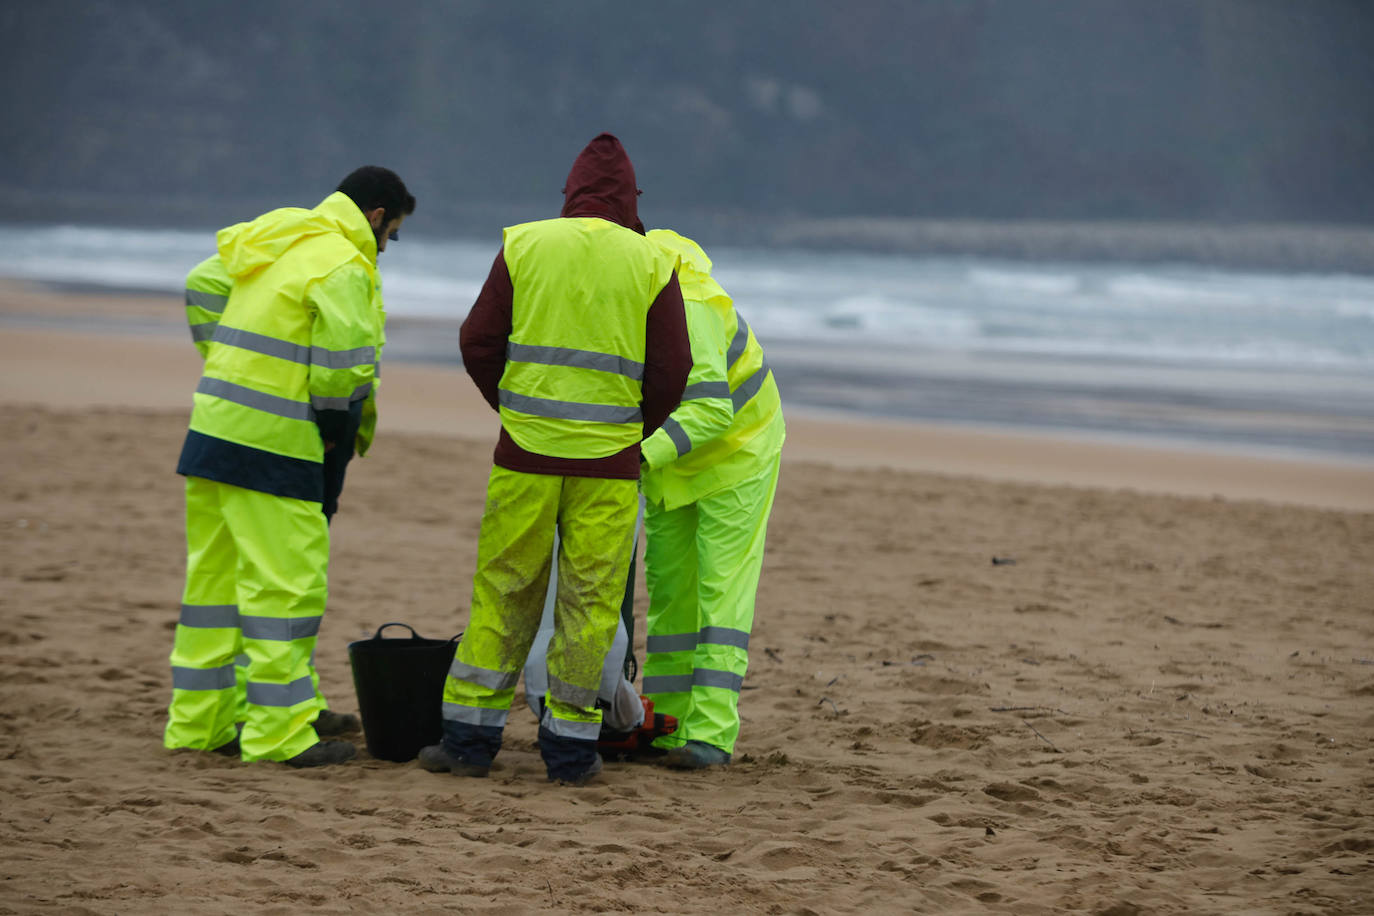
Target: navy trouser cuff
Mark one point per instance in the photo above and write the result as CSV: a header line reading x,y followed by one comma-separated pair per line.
x,y
473,744
566,758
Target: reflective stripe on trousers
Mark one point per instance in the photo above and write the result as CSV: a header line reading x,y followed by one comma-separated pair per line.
x,y
596,520
702,564
255,587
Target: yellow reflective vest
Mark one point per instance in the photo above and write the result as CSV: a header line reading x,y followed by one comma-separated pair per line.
x,y
676,476
289,319
573,382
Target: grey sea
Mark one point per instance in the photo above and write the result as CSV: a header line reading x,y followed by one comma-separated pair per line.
x,y
1247,361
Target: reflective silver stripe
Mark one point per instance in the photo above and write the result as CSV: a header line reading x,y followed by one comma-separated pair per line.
x,y
258,400
281,629
725,636
750,387
261,343
567,728
570,410
343,359
209,616
670,683
475,715
486,677
707,677
298,691
572,694
243,660
675,642
706,390
205,331
581,359
682,642
322,403
675,432
739,342
221,678
211,302
686,642
702,677
296,353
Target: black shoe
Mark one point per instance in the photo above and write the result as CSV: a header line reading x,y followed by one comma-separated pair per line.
x,y
584,777
323,754
229,748
696,755
331,723
437,760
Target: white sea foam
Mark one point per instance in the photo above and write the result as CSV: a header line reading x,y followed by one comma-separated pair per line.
x,y
1174,315
1199,354
1022,281
1192,292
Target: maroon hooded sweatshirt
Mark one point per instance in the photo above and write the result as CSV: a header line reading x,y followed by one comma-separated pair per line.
x,y
602,185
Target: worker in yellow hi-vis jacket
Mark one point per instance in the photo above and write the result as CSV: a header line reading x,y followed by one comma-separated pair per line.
x,y
289,318
708,494
578,340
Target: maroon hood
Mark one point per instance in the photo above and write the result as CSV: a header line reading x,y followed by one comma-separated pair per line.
x,y
602,183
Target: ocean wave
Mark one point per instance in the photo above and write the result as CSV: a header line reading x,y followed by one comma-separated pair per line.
x,y
1164,314
1040,284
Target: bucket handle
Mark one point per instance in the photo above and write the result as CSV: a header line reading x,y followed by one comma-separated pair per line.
x,y
413,634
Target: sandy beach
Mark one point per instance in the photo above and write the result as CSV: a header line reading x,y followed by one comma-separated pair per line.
x,y
990,673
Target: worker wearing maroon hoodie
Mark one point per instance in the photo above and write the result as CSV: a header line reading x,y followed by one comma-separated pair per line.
x,y
579,340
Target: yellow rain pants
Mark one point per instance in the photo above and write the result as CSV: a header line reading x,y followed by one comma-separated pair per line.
x,y
702,564
595,520
255,584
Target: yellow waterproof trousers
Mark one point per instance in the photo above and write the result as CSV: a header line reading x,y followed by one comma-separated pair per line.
x,y
701,564
255,584
595,521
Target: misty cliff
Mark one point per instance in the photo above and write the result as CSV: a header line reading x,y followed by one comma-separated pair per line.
x,y
738,115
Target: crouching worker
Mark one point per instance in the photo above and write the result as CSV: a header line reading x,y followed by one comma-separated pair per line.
x,y
708,495
578,339
289,319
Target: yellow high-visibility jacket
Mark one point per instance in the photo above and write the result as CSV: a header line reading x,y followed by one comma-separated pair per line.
x,y
574,377
676,476
290,321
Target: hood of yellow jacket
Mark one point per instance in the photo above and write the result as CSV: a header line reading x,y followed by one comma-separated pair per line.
x,y
251,246
694,270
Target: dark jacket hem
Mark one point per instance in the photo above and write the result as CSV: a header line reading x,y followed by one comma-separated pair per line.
x,y
251,468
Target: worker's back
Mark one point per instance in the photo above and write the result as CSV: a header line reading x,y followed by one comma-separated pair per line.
x,y
582,287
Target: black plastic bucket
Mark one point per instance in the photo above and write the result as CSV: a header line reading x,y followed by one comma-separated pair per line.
x,y
400,686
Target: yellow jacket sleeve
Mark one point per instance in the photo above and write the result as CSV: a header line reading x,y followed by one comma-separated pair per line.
x,y
345,343
207,292
706,410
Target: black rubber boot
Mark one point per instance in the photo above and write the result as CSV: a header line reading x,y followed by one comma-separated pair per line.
x,y
437,760
331,723
323,754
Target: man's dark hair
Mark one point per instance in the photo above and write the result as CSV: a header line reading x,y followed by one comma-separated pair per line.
x,y
372,186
